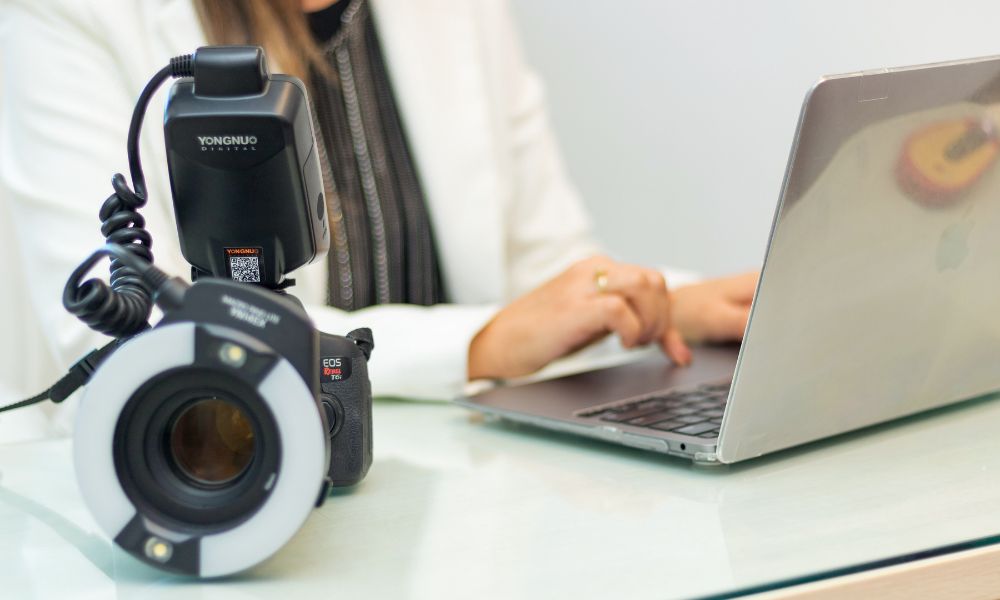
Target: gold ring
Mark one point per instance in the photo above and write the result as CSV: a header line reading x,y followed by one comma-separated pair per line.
x,y
601,280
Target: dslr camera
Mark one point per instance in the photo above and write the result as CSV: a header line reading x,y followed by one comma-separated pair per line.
x,y
202,443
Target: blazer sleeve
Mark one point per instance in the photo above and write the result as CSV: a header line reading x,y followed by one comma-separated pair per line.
x,y
62,136
548,225
421,352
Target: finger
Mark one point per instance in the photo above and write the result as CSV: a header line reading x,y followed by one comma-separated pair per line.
x,y
624,279
646,292
675,348
672,341
618,317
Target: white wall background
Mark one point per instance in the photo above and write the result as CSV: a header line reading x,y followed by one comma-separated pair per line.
x,y
676,116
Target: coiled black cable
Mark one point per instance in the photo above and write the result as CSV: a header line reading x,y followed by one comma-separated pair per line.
x,y
123,308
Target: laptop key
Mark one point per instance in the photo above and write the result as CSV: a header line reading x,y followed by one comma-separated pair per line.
x,y
714,413
689,418
696,429
643,404
652,418
692,397
666,425
709,434
628,415
718,387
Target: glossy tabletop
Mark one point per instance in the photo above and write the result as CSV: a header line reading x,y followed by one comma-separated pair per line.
x,y
455,507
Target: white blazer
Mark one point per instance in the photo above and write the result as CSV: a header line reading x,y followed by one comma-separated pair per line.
x,y
504,213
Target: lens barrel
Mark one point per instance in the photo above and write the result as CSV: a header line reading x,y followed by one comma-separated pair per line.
x,y
212,441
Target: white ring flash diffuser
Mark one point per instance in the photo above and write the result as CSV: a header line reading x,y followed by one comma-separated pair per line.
x,y
292,494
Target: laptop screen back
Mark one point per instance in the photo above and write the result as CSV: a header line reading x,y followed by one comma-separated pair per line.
x,y
880,294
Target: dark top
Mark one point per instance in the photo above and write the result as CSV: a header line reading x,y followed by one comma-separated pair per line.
x,y
325,23
382,249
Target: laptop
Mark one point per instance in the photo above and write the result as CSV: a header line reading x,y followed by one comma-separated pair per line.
x,y
879,295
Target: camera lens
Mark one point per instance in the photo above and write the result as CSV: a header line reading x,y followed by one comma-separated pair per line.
x,y
216,456
212,441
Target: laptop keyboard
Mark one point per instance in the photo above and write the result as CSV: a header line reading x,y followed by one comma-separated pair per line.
x,y
696,412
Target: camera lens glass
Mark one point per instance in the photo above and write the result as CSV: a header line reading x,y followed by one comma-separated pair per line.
x,y
212,441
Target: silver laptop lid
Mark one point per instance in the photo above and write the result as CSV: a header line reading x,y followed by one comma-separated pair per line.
x,y
880,294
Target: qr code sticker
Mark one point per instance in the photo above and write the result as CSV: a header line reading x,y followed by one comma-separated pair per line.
x,y
245,269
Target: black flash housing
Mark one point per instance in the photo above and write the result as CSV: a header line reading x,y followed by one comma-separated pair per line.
x,y
244,171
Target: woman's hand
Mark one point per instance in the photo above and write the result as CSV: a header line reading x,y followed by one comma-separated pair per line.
x,y
715,310
591,299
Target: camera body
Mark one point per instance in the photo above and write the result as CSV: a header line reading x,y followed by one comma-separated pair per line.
x,y
346,400
335,367
210,432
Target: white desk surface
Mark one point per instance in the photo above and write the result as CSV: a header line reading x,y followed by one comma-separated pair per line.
x,y
457,508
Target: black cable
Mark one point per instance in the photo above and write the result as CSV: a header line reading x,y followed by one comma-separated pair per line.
x,y
167,291
121,309
135,128
78,375
34,400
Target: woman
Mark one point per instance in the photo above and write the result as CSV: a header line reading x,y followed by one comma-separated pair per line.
x,y
457,237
